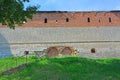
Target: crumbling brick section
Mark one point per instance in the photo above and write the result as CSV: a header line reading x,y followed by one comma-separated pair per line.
x,y
60,51
67,51
52,51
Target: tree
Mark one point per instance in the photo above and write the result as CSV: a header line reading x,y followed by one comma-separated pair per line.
x,y
12,12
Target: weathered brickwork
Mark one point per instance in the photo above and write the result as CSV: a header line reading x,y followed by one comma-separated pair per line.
x,y
76,19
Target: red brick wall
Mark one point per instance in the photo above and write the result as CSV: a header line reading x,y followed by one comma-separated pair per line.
x,y
76,19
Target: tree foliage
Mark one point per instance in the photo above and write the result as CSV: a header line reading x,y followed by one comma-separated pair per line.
x,y
12,12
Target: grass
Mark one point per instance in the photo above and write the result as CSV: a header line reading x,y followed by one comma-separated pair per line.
x,y
67,68
11,62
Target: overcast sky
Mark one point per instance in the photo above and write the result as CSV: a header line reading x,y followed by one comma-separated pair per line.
x,y
76,5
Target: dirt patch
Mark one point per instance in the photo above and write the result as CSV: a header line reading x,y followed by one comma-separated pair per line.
x,y
12,70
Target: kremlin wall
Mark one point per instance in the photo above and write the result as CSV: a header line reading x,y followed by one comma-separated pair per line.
x,y
94,34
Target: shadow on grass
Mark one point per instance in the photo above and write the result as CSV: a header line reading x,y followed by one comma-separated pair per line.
x,y
69,68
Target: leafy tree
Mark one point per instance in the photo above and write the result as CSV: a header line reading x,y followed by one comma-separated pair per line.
x,y
12,12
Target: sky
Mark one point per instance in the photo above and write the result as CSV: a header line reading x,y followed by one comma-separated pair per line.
x,y
76,5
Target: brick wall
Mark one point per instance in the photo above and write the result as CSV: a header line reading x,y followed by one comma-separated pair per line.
x,y
76,19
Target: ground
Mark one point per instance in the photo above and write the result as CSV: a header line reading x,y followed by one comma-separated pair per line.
x,y
65,68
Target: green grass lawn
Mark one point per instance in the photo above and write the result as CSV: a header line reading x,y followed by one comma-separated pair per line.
x,y
67,68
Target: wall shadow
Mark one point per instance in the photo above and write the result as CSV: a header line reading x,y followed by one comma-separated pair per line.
x,y
5,50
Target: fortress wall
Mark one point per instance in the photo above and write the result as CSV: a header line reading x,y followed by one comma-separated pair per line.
x,y
39,35
101,31
105,40
75,19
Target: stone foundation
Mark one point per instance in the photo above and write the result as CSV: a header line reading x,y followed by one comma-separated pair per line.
x,y
105,40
